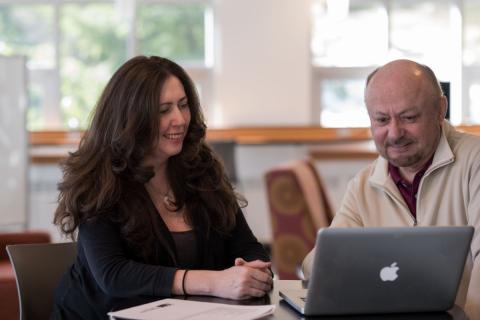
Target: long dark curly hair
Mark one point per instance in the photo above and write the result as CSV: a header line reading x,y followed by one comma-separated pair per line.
x,y
105,176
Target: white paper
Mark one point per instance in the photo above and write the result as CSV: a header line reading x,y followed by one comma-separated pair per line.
x,y
174,309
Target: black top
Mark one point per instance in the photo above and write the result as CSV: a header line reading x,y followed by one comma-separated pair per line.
x,y
187,255
108,274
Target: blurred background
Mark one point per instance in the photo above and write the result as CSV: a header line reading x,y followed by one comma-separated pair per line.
x,y
279,80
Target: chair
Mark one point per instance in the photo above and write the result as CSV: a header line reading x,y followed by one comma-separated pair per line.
x,y
299,206
9,302
226,151
38,269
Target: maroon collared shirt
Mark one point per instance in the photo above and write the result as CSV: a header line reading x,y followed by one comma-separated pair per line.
x,y
408,190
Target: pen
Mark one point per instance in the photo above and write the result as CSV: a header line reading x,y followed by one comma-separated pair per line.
x,y
163,305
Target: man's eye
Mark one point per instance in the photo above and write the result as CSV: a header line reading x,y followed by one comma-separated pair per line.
x,y
410,118
381,120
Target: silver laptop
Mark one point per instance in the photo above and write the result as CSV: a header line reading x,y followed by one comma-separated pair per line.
x,y
384,270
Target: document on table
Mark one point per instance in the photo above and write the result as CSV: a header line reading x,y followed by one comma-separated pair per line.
x,y
175,309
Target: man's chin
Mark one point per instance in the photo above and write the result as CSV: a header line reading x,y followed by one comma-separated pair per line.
x,y
404,161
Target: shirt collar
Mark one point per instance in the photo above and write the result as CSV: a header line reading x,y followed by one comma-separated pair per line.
x,y
397,177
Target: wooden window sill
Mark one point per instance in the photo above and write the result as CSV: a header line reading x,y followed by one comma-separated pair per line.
x,y
328,143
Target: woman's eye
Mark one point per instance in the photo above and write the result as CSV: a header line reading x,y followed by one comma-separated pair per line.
x,y
164,108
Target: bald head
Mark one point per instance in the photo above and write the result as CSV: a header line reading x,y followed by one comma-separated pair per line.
x,y
401,76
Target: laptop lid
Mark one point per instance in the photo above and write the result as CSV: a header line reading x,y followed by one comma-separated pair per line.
x,y
385,270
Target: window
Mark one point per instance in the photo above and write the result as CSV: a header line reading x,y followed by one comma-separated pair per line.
x,y
28,30
90,50
72,53
350,38
471,60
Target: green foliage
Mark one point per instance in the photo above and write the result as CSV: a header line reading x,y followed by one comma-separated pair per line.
x,y
91,49
27,30
172,30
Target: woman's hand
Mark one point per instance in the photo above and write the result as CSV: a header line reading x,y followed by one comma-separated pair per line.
x,y
244,280
265,266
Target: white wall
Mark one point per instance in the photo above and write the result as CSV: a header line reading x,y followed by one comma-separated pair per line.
x,y
13,142
43,179
262,67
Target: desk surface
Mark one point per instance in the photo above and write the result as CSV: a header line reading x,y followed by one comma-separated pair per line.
x,y
284,312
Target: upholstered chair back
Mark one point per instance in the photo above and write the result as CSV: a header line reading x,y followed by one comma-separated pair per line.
x,y
299,206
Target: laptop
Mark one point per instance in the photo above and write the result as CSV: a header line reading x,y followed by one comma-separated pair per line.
x,y
384,270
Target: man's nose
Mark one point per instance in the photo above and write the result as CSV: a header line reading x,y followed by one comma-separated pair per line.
x,y
395,130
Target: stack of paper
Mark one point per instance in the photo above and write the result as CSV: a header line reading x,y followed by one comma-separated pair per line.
x,y
174,309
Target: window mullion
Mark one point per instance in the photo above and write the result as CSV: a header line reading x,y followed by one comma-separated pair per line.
x,y
54,116
388,11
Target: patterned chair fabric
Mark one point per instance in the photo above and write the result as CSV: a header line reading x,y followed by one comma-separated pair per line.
x,y
299,206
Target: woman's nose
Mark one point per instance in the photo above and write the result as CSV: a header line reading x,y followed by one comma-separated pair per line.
x,y
178,117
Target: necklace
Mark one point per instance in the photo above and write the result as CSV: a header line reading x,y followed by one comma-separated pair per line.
x,y
169,201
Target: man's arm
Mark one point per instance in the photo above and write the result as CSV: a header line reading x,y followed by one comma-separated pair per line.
x,y
473,212
346,217
472,306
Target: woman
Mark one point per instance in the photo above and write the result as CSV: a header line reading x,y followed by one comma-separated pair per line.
x,y
154,211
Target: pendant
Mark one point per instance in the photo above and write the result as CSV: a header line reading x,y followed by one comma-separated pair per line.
x,y
169,203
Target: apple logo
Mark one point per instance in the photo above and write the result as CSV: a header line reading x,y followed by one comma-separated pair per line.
x,y
389,273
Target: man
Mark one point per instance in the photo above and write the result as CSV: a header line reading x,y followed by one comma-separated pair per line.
x,y
427,173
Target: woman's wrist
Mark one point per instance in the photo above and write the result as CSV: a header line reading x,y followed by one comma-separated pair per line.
x,y
201,282
184,280
194,282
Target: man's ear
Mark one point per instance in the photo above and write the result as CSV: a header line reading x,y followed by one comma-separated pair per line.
x,y
443,105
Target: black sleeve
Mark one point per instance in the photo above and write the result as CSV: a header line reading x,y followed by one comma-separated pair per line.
x,y
242,243
116,273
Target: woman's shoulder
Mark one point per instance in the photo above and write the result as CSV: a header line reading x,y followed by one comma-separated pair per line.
x,y
99,223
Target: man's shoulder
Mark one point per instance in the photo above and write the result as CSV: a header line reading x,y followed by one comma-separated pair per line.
x,y
460,151
463,144
374,168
